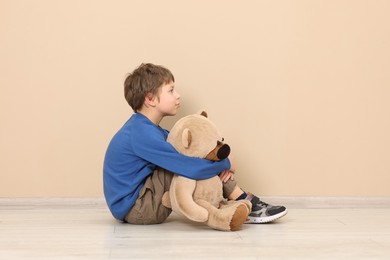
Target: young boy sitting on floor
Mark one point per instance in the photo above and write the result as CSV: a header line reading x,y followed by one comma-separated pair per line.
x,y
139,163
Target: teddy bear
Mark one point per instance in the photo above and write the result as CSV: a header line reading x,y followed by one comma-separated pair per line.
x,y
202,200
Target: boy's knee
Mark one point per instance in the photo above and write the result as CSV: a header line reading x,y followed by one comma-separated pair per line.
x,y
229,187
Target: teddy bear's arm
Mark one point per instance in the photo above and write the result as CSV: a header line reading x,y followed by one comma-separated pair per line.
x,y
181,191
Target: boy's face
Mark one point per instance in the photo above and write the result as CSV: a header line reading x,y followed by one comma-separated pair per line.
x,y
169,100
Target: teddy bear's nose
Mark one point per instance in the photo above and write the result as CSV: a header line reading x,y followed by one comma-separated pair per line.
x,y
223,152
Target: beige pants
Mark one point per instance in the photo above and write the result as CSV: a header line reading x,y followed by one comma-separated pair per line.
x,y
148,208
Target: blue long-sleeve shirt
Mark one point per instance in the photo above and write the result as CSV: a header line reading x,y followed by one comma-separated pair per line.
x,y
134,153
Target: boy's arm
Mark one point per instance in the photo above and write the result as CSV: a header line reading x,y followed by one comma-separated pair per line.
x,y
164,155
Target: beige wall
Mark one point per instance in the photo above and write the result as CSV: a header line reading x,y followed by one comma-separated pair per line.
x,y
300,89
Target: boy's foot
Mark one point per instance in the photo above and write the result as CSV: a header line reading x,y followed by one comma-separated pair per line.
x,y
263,212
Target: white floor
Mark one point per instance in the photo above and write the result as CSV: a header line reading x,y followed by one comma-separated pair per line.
x,y
89,232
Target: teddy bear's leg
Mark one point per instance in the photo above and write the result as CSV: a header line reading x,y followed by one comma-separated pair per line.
x,y
218,219
229,217
239,217
242,209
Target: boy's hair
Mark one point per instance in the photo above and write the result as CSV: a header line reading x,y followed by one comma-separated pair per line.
x,y
145,79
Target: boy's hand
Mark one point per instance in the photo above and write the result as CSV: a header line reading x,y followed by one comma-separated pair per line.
x,y
226,175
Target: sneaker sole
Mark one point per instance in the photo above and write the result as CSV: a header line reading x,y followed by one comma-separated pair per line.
x,y
254,220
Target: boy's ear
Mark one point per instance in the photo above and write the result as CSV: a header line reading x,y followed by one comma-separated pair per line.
x,y
149,99
186,138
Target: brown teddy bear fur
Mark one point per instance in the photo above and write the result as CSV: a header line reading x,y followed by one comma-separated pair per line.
x,y
202,200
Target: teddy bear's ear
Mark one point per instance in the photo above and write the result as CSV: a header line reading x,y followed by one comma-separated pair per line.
x,y
186,138
203,113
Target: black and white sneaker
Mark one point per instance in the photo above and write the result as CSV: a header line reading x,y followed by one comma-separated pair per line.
x,y
263,212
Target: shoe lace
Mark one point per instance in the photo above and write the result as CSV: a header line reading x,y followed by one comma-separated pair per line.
x,y
262,204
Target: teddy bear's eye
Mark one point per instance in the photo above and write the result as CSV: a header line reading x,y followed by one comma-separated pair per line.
x,y
223,139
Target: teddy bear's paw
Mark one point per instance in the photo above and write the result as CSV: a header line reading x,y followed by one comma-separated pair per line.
x,y
239,217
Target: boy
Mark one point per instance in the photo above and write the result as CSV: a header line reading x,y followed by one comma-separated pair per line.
x,y
139,163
